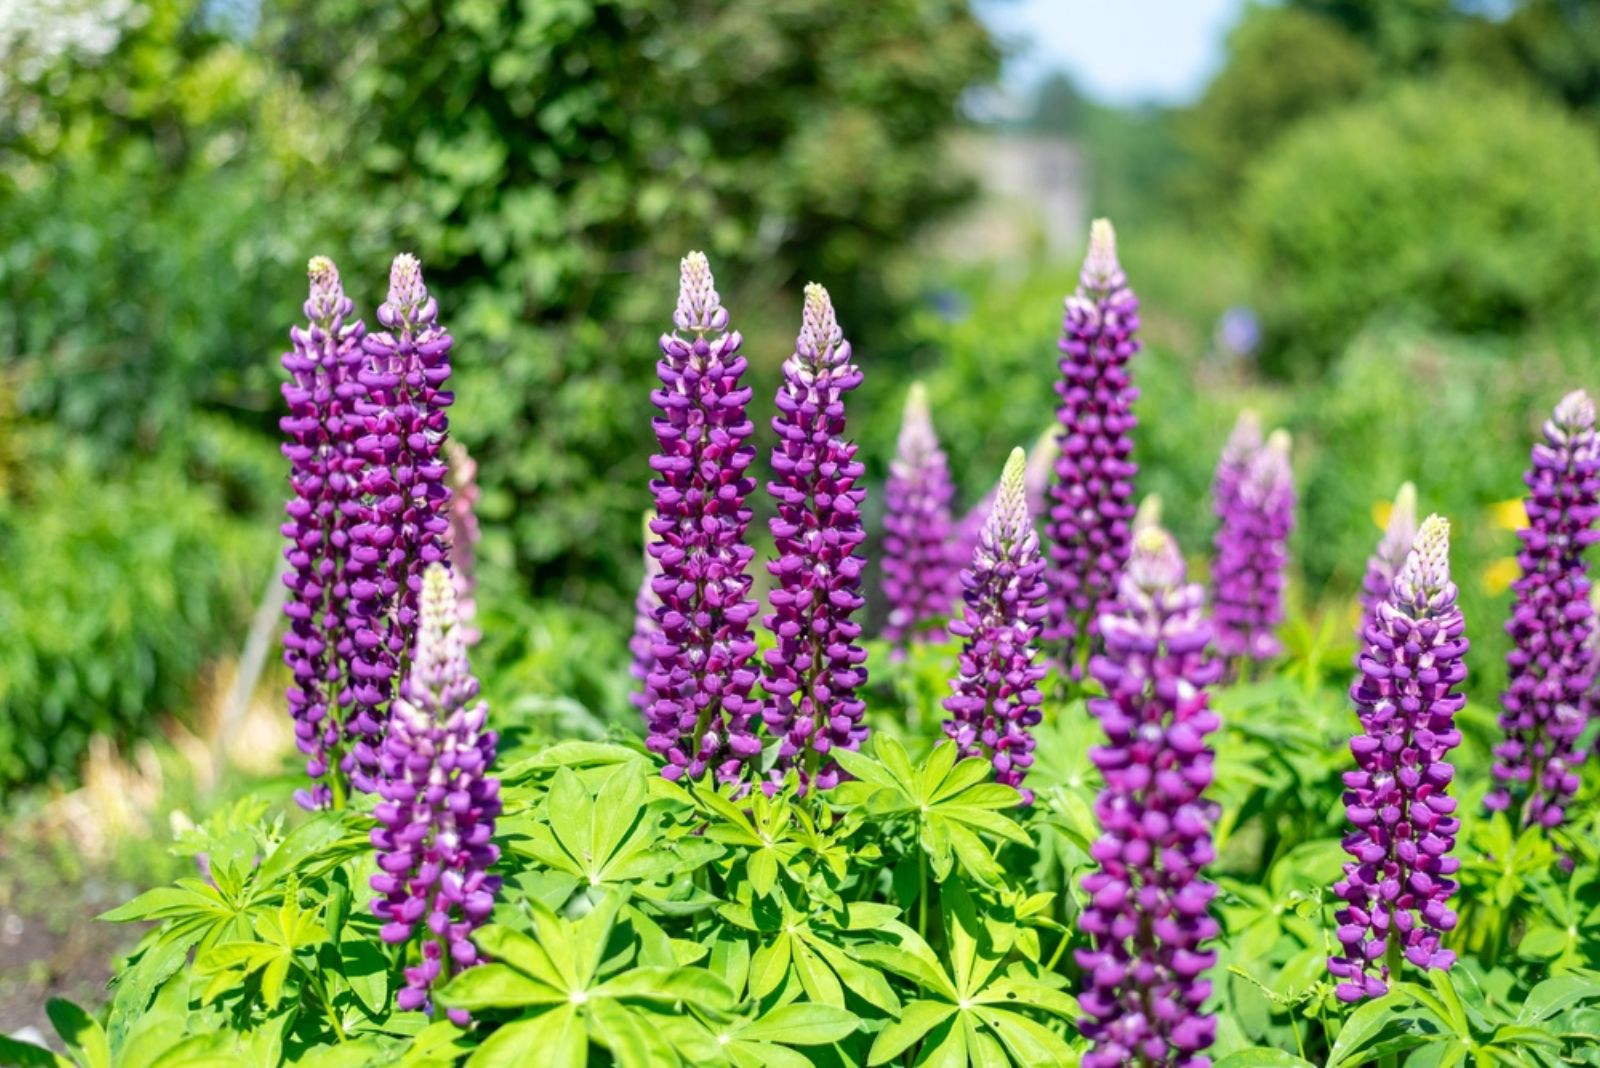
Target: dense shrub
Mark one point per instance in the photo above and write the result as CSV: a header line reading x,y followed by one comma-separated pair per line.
x,y
1469,208
112,596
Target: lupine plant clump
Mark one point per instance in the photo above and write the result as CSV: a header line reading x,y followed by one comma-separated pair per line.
x,y
815,670
792,861
1550,667
1255,499
918,561
997,696
1148,915
1093,498
1397,886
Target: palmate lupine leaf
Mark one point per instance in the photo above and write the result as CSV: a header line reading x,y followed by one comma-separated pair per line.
x,y
953,803
280,935
573,995
970,1009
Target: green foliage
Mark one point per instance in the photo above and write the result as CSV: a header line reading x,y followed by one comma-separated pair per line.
x,y
1283,64
1438,201
112,596
550,162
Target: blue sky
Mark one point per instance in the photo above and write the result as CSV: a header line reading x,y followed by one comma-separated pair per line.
x,y
1118,51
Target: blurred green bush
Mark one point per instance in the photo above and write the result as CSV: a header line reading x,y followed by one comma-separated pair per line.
x,y
113,594
1449,203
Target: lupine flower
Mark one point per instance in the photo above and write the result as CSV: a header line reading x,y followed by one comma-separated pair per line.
x,y
405,521
645,628
1549,668
1093,494
815,669
321,426
1036,479
996,700
464,535
1233,465
1247,579
438,805
1403,826
1591,700
917,567
1385,562
1148,916
700,712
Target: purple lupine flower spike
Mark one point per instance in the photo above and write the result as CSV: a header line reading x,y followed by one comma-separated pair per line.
x,y
1148,916
320,428
464,535
1385,562
1092,498
1233,465
1247,580
435,819
646,630
1549,668
1036,479
1591,700
699,711
917,566
816,668
996,696
404,523
1397,886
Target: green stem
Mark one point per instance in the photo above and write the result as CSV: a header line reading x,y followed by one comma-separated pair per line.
x,y
327,1007
922,892
1055,958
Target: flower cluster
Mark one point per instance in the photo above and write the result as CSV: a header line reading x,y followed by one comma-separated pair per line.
x,y
816,667
1255,501
1390,555
918,570
1397,885
320,430
403,520
1549,666
1093,493
996,696
438,804
464,534
1148,916
699,709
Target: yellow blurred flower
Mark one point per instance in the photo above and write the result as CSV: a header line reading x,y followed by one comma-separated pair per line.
x,y
1499,575
1381,511
1509,515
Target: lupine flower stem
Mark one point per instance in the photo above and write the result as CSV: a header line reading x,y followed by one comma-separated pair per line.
x,y
700,713
1148,916
917,563
1549,667
1397,885
321,428
436,818
1092,497
404,521
996,696
815,669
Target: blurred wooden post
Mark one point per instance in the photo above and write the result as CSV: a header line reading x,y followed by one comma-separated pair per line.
x,y
252,659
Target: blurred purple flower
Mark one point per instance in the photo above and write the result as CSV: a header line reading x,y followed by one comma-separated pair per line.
x,y
1549,667
1239,332
1252,543
464,535
918,570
